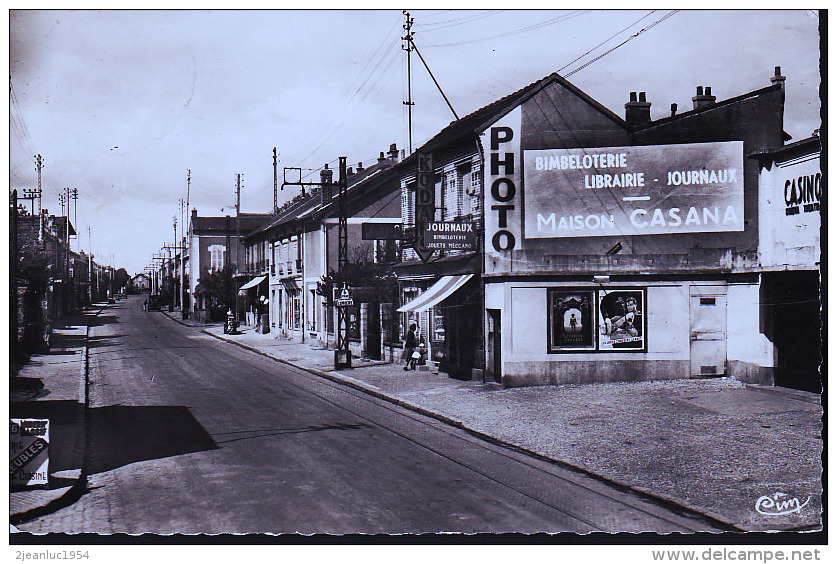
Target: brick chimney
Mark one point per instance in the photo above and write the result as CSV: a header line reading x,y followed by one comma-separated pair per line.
x,y
777,77
359,166
326,178
382,158
703,97
673,109
393,153
637,111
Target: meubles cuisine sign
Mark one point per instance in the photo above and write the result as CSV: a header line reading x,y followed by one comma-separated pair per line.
x,y
689,188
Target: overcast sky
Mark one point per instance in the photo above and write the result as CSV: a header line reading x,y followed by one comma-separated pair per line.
x,y
121,103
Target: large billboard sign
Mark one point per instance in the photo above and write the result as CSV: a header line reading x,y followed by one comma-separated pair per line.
x,y
646,190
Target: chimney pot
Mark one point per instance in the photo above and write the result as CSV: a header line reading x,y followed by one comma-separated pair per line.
x,y
673,109
703,98
777,77
637,111
359,166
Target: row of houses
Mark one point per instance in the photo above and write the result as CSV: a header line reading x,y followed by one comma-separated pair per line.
x,y
48,279
582,246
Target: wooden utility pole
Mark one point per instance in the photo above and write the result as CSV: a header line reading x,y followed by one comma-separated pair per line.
x,y
39,164
13,260
275,183
409,103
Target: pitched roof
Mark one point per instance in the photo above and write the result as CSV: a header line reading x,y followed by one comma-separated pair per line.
x,y
312,206
481,118
210,225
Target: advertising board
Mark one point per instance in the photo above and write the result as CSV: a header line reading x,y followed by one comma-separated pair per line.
x,y
644,190
29,452
450,235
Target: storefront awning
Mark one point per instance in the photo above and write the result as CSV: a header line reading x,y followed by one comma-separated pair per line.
x,y
435,294
254,282
290,284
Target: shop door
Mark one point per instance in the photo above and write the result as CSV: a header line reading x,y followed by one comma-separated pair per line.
x,y
493,365
708,333
373,331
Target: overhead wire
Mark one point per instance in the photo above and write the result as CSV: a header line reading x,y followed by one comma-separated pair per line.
x,y
634,36
559,19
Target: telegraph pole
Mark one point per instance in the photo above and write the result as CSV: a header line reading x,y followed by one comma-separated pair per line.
x,y
39,164
237,235
13,259
409,103
174,256
275,183
74,196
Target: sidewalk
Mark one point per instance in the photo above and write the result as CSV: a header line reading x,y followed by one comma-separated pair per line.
x,y
51,385
714,446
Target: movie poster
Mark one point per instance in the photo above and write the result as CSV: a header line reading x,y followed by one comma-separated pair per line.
x,y
572,320
621,320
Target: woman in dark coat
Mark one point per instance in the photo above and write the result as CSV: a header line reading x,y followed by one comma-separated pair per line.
x,y
410,347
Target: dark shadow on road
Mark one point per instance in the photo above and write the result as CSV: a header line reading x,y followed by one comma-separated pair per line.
x,y
101,320
121,435
260,433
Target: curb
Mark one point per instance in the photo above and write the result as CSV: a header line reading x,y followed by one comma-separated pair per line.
x,y
798,395
661,500
74,492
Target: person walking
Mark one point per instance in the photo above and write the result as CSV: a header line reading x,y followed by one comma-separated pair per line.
x,y
410,348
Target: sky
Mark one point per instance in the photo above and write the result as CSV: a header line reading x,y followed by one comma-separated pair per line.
x,y
121,104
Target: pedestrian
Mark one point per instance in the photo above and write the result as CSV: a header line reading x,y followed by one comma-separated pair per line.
x,y
410,348
145,305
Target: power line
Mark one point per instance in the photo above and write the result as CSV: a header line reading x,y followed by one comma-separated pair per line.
x,y
606,40
553,21
634,36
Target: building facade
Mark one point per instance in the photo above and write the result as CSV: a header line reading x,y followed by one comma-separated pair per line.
x,y
628,249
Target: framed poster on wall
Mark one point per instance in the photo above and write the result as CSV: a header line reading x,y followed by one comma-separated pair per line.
x,y
621,320
572,325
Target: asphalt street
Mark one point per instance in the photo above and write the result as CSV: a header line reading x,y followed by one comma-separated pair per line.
x,y
192,435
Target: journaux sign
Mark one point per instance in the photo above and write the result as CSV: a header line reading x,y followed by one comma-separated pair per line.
x,y
688,188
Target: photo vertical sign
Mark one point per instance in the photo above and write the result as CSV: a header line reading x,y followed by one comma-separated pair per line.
x,y
503,189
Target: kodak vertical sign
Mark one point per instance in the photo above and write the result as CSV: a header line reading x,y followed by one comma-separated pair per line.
x,y
425,201
503,190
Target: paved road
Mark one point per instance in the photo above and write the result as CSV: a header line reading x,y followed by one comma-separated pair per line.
x,y
191,435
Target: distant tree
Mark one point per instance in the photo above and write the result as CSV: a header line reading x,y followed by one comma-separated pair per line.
x,y
219,286
374,278
121,278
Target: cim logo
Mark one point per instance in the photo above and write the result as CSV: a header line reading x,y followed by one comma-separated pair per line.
x,y
779,504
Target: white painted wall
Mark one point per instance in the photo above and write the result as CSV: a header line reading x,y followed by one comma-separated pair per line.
x,y
744,340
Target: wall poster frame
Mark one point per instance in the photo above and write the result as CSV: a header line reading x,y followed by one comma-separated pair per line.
x,y
583,319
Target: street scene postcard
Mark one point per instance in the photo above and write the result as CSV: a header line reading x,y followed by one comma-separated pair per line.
x,y
394,276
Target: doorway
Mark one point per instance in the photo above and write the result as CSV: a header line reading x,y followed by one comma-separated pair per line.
x,y
707,331
494,370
